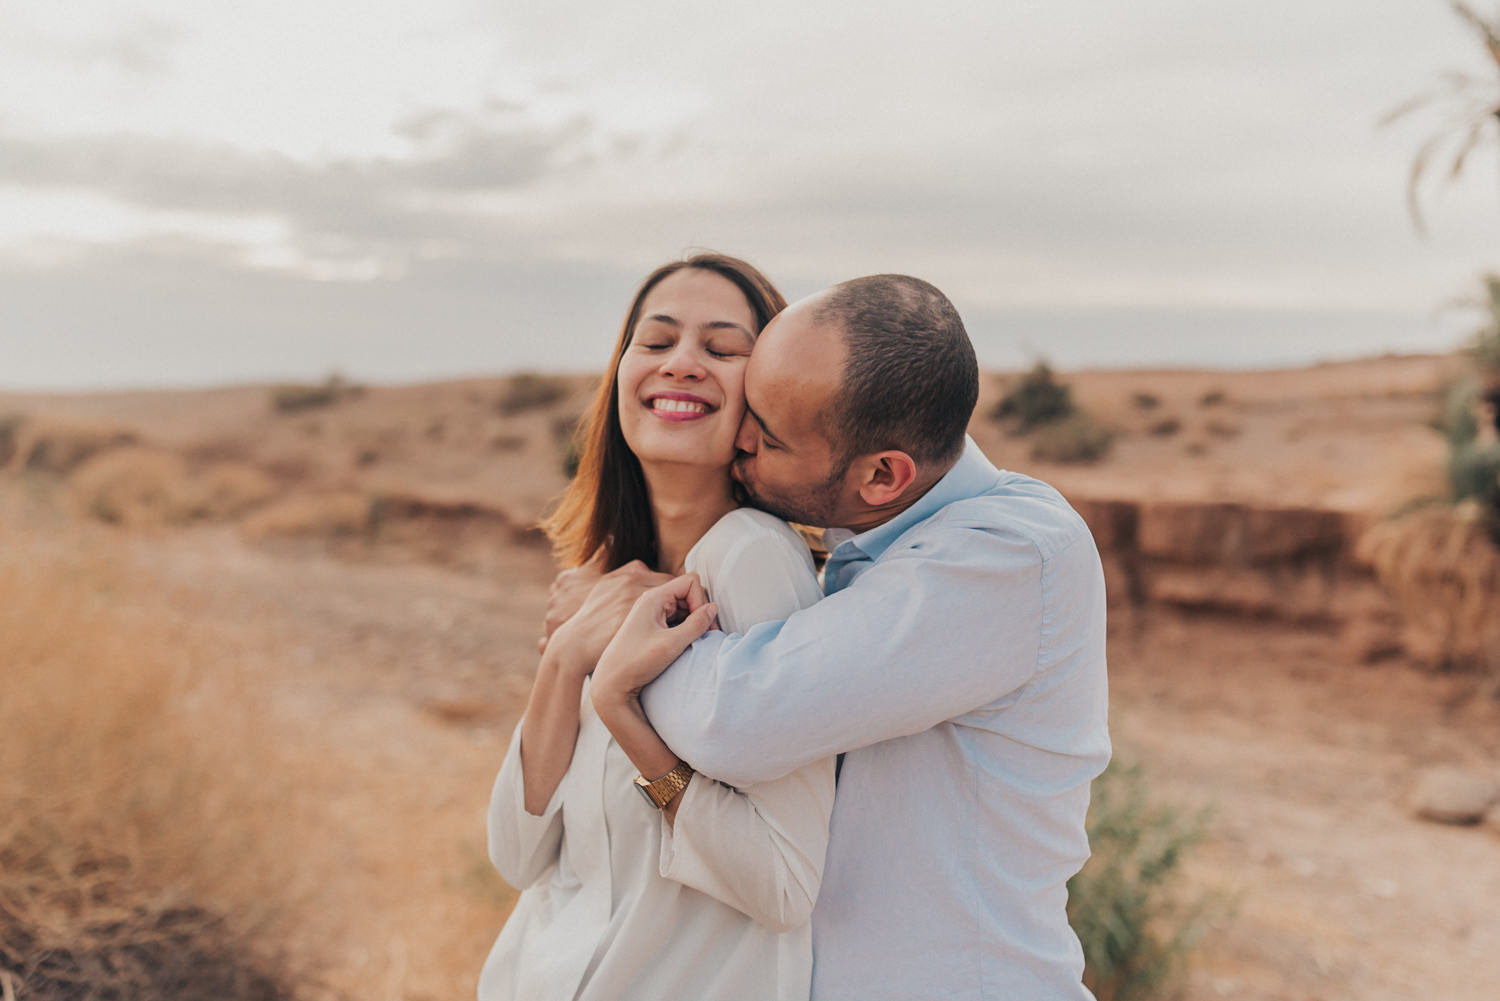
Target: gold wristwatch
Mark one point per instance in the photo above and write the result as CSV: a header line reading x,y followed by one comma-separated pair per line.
x,y
662,791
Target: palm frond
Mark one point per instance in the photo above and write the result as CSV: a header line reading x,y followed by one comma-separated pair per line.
x,y
1488,33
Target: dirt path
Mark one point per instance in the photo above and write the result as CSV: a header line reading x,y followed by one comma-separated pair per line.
x,y
415,674
1307,763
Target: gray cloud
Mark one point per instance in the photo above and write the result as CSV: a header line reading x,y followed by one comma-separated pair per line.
x,y
387,200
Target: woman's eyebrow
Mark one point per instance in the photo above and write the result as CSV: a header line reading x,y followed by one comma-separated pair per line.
x,y
728,325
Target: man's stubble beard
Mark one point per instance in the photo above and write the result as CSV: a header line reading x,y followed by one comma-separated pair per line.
x,y
814,505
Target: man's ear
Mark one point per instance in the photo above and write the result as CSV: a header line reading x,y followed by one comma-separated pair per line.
x,y
884,476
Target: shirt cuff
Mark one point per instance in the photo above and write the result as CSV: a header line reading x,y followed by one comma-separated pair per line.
x,y
510,791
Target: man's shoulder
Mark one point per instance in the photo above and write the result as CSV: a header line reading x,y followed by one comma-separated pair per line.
x,y
1017,508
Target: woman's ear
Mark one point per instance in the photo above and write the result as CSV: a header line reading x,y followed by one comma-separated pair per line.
x,y
885,476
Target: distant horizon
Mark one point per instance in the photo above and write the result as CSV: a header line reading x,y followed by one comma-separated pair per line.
x,y
198,194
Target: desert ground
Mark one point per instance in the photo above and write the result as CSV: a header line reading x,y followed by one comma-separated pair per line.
x,y
339,605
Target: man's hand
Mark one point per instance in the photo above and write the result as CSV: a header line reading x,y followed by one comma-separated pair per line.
x,y
647,641
570,589
580,639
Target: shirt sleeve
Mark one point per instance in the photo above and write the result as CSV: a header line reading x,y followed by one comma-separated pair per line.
x,y
931,631
759,849
522,845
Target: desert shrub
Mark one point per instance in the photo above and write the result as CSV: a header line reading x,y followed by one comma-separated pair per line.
x,y
1485,350
132,486
1078,438
1474,473
1037,398
226,490
1458,418
124,766
1442,566
137,486
1222,428
565,432
83,927
507,442
58,447
320,516
1144,400
293,398
1165,428
530,391
1136,922
9,425
1212,398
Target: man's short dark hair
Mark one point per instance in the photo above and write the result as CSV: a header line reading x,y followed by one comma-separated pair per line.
x,y
911,380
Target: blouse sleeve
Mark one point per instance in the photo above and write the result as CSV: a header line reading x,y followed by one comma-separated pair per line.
x,y
759,849
522,845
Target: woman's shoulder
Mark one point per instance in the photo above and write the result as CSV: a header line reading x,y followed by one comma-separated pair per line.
x,y
752,523
742,527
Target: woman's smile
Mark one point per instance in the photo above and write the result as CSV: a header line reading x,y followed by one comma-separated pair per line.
x,y
679,406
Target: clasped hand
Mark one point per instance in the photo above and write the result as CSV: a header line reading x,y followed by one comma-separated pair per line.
x,y
659,626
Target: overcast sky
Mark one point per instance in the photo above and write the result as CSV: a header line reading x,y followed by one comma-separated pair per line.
x,y
195,193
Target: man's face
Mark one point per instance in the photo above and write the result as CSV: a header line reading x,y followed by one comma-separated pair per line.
x,y
787,463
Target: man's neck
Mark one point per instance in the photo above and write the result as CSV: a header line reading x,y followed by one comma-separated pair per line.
x,y
868,517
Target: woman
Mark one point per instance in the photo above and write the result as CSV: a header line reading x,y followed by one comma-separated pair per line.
x,y
694,891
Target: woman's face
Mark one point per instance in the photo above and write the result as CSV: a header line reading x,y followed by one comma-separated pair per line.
x,y
681,380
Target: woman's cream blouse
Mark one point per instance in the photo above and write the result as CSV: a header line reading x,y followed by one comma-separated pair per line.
x,y
616,904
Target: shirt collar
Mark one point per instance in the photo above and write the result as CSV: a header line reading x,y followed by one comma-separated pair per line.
x,y
973,474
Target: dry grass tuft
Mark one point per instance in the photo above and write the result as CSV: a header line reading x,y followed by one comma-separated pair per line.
x,y
125,766
341,515
138,487
1444,570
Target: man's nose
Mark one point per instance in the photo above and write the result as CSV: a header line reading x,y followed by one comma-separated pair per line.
x,y
748,438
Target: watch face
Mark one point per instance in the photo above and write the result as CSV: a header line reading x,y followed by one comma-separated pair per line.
x,y
644,788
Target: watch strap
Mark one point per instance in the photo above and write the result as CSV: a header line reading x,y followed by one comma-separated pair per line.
x,y
660,792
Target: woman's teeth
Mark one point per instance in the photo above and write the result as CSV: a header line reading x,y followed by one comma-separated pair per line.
x,y
679,406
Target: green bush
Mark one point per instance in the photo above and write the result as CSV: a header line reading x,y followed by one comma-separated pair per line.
x,y
1037,399
1474,471
530,391
565,431
1077,438
1134,919
1458,421
295,397
10,424
1486,347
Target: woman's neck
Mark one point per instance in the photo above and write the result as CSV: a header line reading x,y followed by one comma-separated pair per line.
x,y
685,503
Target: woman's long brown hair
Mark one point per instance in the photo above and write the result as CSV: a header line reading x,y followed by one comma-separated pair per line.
x,y
607,506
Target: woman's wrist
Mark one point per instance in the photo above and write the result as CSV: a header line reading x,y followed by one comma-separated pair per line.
x,y
562,658
616,705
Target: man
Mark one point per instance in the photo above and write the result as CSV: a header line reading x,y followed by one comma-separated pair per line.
x,y
956,664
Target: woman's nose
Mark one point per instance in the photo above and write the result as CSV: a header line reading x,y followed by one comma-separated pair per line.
x,y
684,361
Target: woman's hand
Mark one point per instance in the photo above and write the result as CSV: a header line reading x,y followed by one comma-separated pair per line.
x,y
580,640
660,625
570,589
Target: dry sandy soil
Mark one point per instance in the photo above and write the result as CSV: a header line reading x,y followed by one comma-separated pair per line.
x,y
402,671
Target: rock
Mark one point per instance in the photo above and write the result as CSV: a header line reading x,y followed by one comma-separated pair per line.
x,y
1226,534
1452,795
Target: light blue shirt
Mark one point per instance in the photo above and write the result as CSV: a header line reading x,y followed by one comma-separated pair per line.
x,y
959,660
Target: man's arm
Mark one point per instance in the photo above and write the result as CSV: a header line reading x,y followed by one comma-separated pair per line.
x,y
927,634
